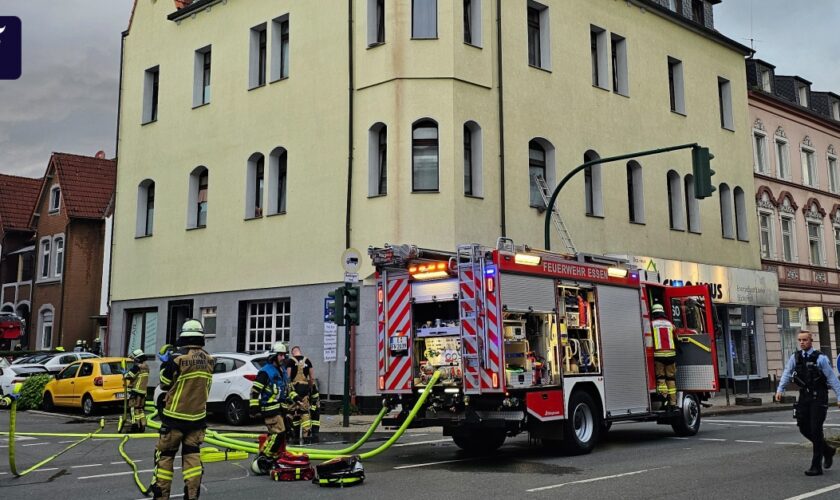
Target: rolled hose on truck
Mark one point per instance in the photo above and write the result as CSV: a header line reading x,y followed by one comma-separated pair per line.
x,y
213,437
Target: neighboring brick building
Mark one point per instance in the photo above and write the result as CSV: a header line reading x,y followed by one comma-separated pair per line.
x,y
17,200
69,221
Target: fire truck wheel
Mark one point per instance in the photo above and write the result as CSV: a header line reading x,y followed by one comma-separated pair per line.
x,y
687,423
583,428
480,442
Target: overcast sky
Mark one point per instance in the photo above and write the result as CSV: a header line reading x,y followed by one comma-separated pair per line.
x,y
66,99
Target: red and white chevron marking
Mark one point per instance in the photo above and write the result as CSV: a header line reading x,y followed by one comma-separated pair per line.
x,y
493,340
469,329
398,324
380,332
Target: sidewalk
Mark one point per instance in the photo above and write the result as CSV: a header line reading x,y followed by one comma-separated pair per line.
x,y
719,406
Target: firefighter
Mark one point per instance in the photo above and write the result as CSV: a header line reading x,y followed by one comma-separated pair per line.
x,y
664,355
306,421
186,378
812,372
268,394
137,378
80,346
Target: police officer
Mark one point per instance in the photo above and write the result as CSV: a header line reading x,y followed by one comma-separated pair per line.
x,y
137,378
812,372
306,421
664,355
186,378
268,393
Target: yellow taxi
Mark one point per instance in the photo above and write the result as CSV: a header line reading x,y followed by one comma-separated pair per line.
x,y
86,384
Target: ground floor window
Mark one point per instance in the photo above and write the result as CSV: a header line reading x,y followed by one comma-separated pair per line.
x,y
267,322
790,324
737,341
46,329
142,331
208,319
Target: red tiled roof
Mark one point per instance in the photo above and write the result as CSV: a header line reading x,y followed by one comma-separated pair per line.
x,y
18,196
87,184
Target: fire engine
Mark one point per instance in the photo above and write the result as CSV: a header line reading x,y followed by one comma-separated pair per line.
x,y
556,345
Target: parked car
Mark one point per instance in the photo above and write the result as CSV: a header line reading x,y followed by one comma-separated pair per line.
x,y
10,375
54,362
87,384
233,375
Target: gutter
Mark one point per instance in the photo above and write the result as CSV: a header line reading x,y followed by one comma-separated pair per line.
x,y
503,223
191,8
66,257
350,95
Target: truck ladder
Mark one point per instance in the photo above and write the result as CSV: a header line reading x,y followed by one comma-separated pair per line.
x,y
471,293
555,215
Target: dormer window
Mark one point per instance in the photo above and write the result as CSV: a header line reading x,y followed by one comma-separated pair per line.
x,y
55,199
766,84
835,110
802,94
698,13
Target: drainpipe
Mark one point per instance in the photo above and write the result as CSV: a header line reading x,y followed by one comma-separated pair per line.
x,y
65,256
501,117
350,95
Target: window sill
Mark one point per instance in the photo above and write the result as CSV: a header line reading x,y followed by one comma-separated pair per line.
x,y
743,241
48,281
375,44
143,124
276,214
539,68
143,236
621,94
698,233
679,113
475,197
255,87
196,228
425,38
677,229
282,78
637,223
468,44
196,106
383,195
731,238
256,217
728,129
605,89
426,191
595,216
54,211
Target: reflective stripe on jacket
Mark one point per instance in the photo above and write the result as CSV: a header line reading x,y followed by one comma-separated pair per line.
x,y
269,389
138,378
186,399
664,345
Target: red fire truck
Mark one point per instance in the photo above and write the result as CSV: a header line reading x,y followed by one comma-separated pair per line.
x,y
555,345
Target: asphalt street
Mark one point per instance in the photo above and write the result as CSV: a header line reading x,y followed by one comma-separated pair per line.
x,y
760,456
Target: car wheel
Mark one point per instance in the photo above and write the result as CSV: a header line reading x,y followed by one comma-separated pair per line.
x,y
47,404
583,428
236,411
87,405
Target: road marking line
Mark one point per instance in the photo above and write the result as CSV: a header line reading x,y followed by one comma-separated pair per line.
x,y
437,463
34,444
745,441
711,439
66,442
776,427
424,442
179,495
122,462
759,422
675,437
786,443
117,474
83,466
592,480
45,470
749,426
815,492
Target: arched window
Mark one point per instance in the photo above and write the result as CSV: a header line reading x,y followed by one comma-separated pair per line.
x,y
197,200
536,168
635,192
425,159
675,204
45,327
692,205
473,185
277,180
254,200
727,212
741,214
592,186
378,160
145,209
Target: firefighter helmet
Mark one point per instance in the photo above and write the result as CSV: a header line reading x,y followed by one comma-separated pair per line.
x,y
165,353
137,353
192,333
279,348
657,309
79,343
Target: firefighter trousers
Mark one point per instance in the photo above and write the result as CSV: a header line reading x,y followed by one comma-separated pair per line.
x,y
136,404
666,378
275,445
810,416
301,412
190,443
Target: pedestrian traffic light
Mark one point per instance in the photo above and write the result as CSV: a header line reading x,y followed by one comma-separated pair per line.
x,y
336,307
351,304
701,166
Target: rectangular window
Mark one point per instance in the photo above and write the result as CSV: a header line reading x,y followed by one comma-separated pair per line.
x,y
375,22
620,78
142,331
267,323
697,12
815,243
809,168
833,175
423,18
201,84
533,37
765,229
835,110
787,239
802,93
676,89
766,84
539,38
725,102
280,48
598,54
59,256
472,22
760,153
151,82
257,59
837,245
790,324
46,330
45,258
55,199
783,159
208,319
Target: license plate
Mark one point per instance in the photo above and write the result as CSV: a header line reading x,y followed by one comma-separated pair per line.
x,y
399,343
119,395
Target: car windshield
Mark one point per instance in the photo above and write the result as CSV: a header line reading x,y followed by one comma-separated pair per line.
x,y
111,368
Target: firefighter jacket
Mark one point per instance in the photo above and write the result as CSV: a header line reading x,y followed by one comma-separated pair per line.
x,y
664,342
269,390
138,378
300,369
187,380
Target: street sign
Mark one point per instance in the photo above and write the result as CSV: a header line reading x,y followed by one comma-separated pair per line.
x,y
327,302
351,260
330,342
351,277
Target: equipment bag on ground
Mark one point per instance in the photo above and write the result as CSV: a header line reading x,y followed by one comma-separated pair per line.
x,y
292,468
340,471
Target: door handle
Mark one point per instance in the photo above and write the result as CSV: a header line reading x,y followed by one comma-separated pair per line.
x,y
227,381
545,395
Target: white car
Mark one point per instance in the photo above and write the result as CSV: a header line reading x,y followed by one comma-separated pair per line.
x,y
230,391
54,362
12,374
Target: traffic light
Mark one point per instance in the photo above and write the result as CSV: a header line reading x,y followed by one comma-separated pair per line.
x,y
351,304
701,166
336,307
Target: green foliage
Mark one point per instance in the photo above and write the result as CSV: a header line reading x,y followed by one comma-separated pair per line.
x,y
32,393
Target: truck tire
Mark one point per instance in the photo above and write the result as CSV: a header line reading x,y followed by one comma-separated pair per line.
x,y
583,427
687,423
480,441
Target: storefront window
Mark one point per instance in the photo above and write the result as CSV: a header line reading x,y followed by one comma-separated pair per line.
x,y
737,341
790,323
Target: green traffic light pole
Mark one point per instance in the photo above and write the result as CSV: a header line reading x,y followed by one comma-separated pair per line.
x,y
571,174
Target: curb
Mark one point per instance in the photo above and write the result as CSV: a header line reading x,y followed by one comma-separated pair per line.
x,y
741,410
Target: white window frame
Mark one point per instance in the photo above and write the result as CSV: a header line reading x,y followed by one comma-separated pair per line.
x,y
545,34
254,63
251,188
55,199
43,324
677,85
280,49
476,158
809,174
760,163
765,80
151,95
819,240
58,255
782,158
142,223
264,321
201,87
835,110
375,160
601,59
192,197
771,234
475,23
207,313
802,95
793,253
429,9
725,99
833,173
277,192
620,75
44,267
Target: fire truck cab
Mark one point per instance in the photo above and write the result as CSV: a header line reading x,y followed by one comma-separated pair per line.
x,y
556,345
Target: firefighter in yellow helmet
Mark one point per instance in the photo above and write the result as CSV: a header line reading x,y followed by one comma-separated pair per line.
x,y
186,378
137,378
664,355
268,394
